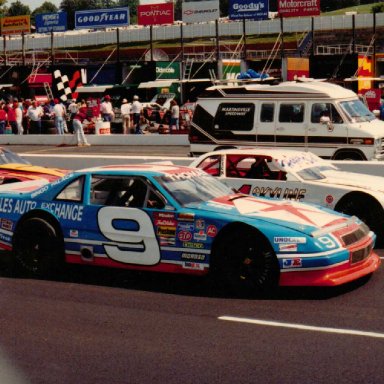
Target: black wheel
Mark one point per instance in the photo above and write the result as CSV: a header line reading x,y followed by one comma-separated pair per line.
x,y
246,263
367,210
37,249
349,155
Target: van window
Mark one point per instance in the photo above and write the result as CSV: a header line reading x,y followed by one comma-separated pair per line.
x,y
291,113
325,109
267,112
229,115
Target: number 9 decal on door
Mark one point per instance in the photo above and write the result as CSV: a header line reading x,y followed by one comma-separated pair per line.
x,y
134,246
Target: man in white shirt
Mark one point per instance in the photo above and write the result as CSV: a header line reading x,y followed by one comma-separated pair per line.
x,y
136,110
59,113
175,114
34,113
106,109
126,116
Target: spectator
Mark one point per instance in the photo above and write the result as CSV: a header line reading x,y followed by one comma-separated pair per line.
x,y
78,129
19,118
126,116
73,108
175,114
35,113
106,109
11,117
59,113
136,110
3,118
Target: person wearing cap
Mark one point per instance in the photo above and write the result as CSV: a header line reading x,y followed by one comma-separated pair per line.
x,y
106,109
136,110
126,116
59,113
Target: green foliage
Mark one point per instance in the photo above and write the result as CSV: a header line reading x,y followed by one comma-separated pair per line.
x,y
379,7
46,7
18,9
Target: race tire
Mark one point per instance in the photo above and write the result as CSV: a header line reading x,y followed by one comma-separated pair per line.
x,y
246,264
37,249
367,210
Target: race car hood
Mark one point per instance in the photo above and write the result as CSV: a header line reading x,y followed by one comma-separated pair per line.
x,y
356,180
301,217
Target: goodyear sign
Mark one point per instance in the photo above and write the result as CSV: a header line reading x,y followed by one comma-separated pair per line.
x,y
15,25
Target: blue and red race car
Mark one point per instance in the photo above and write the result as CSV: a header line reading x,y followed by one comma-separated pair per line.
x,y
177,219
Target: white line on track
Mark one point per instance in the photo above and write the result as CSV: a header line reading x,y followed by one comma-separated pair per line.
x,y
302,327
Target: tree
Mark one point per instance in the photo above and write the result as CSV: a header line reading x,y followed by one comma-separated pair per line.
x,y
46,7
379,7
18,9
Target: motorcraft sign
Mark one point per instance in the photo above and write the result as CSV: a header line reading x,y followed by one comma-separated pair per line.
x,y
15,25
200,11
293,8
102,18
152,14
248,9
51,22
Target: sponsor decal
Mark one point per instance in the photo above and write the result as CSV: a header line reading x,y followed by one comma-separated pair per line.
x,y
211,230
200,236
73,233
192,256
200,224
186,227
289,240
167,241
185,236
278,193
186,216
64,211
151,14
6,224
51,22
329,199
166,231
292,263
292,8
171,223
189,244
164,215
102,18
191,265
288,247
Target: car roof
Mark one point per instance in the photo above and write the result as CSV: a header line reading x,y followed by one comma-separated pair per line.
x,y
146,168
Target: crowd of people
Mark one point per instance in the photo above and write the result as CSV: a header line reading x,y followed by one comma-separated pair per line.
x,y
33,117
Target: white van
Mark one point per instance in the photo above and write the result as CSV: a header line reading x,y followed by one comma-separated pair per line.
x,y
320,117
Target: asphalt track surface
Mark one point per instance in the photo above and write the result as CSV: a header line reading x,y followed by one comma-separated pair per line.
x,y
110,326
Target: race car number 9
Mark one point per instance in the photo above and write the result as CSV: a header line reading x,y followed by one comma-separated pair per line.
x,y
133,246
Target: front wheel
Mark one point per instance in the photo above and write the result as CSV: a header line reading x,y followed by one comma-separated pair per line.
x,y
38,250
246,263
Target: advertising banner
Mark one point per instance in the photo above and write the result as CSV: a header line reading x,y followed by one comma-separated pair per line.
x,y
372,96
248,9
294,8
152,14
167,70
15,25
297,67
102,18
51,22
199,11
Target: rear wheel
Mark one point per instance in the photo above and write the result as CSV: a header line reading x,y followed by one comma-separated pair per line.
x,y
38,250
246,263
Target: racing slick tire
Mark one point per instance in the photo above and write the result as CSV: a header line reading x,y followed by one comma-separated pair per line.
x,y
38,250
368,210
245,263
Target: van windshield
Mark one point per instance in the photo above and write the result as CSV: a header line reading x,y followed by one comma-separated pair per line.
x,y
357,111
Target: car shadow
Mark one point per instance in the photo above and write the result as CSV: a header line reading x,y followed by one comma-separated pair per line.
x,y
183,284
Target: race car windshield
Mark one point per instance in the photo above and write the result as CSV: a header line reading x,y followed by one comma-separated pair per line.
x,y
357,111
191,188
315,173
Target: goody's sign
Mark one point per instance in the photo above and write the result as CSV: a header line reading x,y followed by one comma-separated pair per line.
x,y
102,18
51,22
248,9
